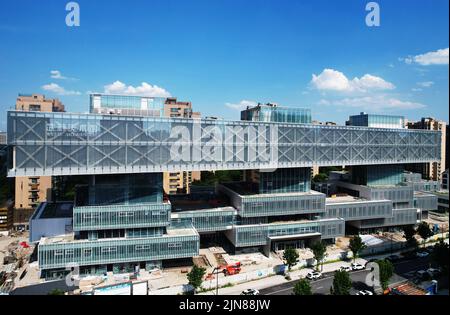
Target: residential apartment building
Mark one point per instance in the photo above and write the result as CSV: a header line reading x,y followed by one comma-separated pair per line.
x,y
122,221
432,170
179,182
6,217
30,191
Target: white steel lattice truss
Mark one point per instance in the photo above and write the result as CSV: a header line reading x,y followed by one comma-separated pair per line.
x,y
70,144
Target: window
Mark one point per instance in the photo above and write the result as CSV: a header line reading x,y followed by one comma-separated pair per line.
x,y
59,252
175,245
87,252
142,247
106,250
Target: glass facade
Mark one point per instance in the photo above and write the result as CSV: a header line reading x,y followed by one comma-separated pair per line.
x,y
276,204
400,217
377,121
285,180
120,216
206,220
269,113
359,210
127,105
110,251
257,235
377,175
75,144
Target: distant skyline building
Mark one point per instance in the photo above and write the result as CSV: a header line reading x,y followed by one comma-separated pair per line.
x,y
432,170
179,182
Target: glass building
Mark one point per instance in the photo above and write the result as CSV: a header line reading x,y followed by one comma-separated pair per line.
x,y
274,113
377,121
122,221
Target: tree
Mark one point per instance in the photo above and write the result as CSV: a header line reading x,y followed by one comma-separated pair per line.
x,y
409,233
440,255
290,257
356,245
321,177
302,287
319,250
341,283
424,231
386,272
195,276
56,292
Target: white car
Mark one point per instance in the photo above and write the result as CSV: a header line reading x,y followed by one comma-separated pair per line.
x,y
364,292
356,266
313,275
422,254
345,268
250,292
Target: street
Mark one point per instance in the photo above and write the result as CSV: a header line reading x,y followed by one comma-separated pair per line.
x,y
320,286
403,269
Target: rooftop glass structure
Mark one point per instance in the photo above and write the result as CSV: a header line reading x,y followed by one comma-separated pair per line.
x,y
377,121
126,105
274,113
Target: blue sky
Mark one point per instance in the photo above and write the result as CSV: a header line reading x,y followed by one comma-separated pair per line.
x,y
225,54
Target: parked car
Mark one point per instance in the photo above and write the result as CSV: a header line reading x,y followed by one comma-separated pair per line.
x,y
345,268
364,292
250,292
422,254
356,266
422,275
313,275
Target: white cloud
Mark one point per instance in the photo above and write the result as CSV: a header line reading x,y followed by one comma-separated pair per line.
x,y
416,89
144,89
425,84
438,57
333,80
378,103
56,74
241,105
59,90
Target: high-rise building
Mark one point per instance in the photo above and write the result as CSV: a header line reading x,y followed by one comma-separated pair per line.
x,y
30,191
122,221
432,170
179,182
